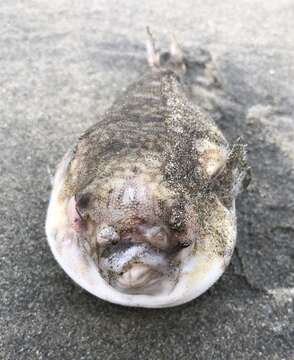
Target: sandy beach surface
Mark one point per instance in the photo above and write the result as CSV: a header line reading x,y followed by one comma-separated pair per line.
x,y
62,63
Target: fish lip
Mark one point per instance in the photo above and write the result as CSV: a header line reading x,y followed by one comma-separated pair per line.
x,y
149,278
115,270
140,250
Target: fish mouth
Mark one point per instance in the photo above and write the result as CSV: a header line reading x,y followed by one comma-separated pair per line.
x,y
137,268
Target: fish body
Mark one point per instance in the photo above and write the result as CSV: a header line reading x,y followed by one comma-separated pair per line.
x,y
142,211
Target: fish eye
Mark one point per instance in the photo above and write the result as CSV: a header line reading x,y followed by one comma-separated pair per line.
x,y
82,200
76,218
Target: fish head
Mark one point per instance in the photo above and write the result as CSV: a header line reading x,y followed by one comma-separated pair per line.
x,y
142,222
137,227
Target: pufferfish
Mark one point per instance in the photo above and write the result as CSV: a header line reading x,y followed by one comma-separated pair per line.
x,y
142,210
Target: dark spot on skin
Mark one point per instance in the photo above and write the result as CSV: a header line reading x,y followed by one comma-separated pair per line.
x,y
165,57
135,169
184,244
109,197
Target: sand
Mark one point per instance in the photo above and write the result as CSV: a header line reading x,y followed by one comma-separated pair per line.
x,y
61,65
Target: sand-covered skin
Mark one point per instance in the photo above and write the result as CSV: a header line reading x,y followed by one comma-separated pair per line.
x,y
61,65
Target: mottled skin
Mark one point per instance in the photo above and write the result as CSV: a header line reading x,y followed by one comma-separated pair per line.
x,y
154,161
154,124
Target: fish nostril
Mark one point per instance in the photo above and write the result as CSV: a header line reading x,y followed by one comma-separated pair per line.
x,y
160,240
107,235
156,236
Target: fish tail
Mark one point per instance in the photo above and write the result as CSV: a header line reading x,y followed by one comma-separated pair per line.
x,y
173,59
